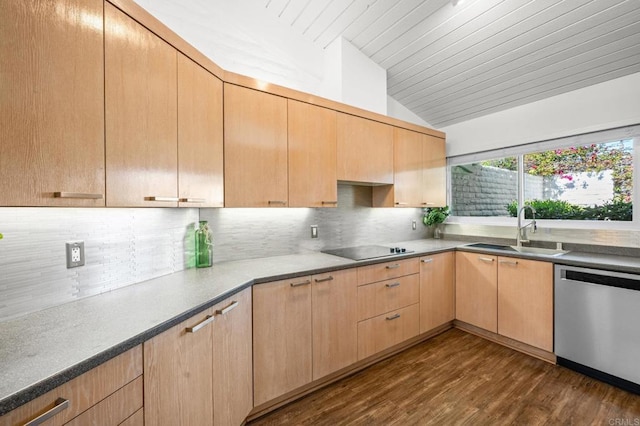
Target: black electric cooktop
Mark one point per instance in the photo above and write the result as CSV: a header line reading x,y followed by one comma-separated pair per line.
x,y
367,252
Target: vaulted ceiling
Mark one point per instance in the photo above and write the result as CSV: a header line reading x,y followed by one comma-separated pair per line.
x,y
451,63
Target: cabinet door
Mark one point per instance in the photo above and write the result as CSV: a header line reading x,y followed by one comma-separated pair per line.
x,y
335,321
178,374
200,137
282,359
52,103
437,290
255,148
434,187
232,360
407,168
365,150
312,156
477,290
141,115
525,301
102,389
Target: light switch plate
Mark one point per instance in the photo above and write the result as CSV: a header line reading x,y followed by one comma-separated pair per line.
x,y
75,254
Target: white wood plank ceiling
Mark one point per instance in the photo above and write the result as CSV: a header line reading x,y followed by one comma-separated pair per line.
x,y
452,63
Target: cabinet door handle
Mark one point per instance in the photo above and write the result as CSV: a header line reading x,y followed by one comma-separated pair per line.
x,y
426,260
396,266
399,203
392,317
321,280
81,195
208,319
162,199
486,259
301,283
508,262
231,306
60,405
278,202
193,200
427,204
392,285
330,202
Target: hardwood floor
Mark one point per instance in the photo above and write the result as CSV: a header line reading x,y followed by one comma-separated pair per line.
x,y
458,378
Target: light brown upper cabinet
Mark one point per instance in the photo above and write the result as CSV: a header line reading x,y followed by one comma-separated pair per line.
x,y
52,103
200,136
419,172
312,156
141,115
434,172
255,148
365,150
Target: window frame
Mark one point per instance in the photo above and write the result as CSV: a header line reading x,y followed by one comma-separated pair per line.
x,y
519,151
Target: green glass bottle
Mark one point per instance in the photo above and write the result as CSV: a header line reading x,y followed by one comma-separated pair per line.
x,y
204,243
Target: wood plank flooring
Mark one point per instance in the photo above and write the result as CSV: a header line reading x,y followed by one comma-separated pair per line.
x,y
457,378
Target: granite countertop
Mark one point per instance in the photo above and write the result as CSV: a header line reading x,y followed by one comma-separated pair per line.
x,y
40,351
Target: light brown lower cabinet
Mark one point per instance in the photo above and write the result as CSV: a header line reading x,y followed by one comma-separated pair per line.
x,y
107,395
437,290
509,296
199,371
379,333
477,290
304,329
525,301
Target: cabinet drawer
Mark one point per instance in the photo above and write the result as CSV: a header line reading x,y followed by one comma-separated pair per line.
x,y
114,409
83,392
387,270
381,332
385,296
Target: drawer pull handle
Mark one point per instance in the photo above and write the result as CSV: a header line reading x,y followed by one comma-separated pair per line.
x,y
78,195
509,262
486,259
278,202
321,280
208,319
396,266
392,317
228,308
427,260
193,200
330,202
60,405
392,285
162,199
300,283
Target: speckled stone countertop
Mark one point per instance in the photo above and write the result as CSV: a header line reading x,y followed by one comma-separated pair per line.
x,y
41,351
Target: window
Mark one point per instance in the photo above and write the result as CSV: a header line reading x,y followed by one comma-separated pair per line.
x,y
586,177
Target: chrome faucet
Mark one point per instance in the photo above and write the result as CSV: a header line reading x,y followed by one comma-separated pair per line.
x,y
522,229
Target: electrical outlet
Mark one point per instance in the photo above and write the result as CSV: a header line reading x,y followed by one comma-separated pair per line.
x,y
314,231
75,254
413,225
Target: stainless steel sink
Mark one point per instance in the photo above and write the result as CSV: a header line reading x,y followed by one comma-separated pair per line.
x,y
524,250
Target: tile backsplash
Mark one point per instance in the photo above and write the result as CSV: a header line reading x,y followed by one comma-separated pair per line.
x,y
122,247
252,233
127,246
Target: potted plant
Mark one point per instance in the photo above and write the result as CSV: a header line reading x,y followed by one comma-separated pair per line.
x,y
433,217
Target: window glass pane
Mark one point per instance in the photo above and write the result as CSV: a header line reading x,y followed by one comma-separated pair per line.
x,y
485,188
592,182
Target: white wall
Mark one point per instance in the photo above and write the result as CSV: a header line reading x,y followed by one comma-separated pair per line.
x,y
397,110
602,106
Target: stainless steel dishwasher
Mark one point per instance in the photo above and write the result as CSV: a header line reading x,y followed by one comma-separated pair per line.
x,y
597,324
